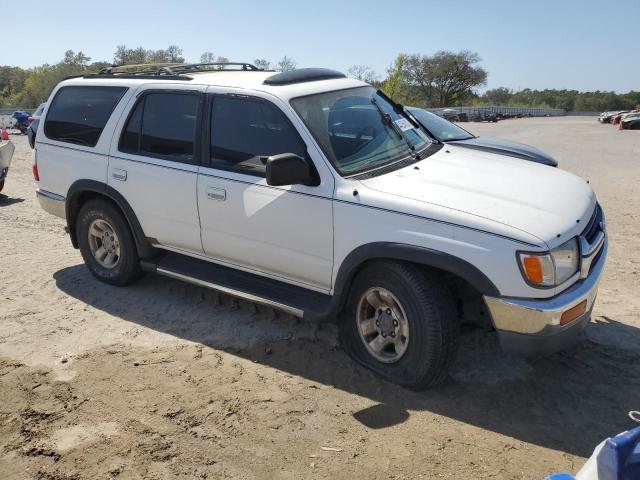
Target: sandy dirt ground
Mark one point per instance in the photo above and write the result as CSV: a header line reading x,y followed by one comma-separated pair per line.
x,y
166,380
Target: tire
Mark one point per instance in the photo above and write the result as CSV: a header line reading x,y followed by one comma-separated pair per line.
x,y
124,267
433,328
1,185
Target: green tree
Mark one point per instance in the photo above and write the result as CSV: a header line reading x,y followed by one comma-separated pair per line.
x,y
286,64
395,84
207,57
262,63
363,72
497,96
445,77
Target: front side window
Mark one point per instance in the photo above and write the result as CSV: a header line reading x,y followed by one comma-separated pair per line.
x,y
162,125
246,131
78,114
358,129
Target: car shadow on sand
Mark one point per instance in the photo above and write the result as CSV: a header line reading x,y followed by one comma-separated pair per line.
x,y
5,201
568,402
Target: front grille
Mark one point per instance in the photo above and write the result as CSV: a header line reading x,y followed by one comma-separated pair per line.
x,y
595,259
593,227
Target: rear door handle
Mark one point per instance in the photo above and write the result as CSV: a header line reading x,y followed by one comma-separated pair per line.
x,y
119,174
216,194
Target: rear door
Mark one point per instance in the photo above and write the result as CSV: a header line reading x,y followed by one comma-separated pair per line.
x,y
283,232
154,163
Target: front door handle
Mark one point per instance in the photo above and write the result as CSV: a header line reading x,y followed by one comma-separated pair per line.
x,y
216,194
119,174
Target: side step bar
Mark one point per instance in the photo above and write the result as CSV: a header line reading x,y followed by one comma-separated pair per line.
x,y
297,301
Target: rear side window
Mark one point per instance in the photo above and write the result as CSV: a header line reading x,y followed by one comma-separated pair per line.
x,y
244,132
163,125
78,114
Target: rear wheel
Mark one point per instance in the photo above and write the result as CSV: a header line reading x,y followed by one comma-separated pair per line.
x,y
106,243
400,322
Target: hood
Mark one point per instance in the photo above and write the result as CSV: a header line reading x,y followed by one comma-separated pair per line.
x,y
547,203
508,147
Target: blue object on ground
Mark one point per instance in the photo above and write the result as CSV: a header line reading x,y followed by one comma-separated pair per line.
x,y
619,458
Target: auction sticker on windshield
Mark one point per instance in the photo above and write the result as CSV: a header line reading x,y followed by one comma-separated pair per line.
x,y
403,124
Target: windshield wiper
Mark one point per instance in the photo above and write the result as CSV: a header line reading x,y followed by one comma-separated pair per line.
x,y
398,107
386,118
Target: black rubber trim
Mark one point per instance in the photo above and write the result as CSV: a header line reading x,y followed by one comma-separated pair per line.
x,y
144,247
418,255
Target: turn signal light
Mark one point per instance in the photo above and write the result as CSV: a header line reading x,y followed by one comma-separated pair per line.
x,y
573,313
533,268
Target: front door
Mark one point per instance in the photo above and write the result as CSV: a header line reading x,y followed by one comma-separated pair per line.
x,y
283,232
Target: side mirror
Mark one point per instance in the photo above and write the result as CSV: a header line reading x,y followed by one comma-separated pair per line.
x,y
290,169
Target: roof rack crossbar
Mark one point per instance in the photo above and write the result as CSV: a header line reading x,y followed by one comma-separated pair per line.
x,y
159,69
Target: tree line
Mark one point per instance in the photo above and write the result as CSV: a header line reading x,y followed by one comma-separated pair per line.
x,y
444,79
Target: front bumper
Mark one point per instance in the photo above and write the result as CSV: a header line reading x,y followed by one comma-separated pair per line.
x,y
533,327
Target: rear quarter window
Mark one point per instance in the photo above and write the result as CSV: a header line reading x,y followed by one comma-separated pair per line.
x,y
78,114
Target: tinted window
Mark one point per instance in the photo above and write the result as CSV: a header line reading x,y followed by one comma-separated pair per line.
x,y
78,114
162,125
130,138
244,132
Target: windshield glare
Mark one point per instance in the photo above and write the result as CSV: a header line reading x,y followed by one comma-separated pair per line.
x,y
440,128
353,134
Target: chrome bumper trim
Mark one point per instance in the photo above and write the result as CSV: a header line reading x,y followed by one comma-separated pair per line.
x,y
51,203
542,316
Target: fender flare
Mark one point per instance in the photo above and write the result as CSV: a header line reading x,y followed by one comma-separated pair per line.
x,y
410,253
72,206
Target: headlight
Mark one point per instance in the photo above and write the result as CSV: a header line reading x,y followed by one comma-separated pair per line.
x,y
545,270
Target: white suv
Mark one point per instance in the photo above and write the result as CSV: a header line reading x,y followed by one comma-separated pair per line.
x,y
318,195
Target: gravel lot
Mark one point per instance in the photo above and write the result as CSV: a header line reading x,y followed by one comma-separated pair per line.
x,y
166,380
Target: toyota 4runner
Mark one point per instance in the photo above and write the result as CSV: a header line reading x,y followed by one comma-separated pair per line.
x,y
316,194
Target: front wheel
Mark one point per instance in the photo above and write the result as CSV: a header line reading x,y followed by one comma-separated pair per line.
x,y
400,322
106,243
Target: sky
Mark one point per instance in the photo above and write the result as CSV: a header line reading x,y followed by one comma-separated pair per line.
x,y
574,44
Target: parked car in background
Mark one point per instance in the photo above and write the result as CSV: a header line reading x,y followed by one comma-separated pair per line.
x,y
448,132
609,117
6,153
605,117
451,114
34,121
630,121
615,119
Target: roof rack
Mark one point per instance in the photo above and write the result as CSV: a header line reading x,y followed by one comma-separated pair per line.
x,y
169,71
302,75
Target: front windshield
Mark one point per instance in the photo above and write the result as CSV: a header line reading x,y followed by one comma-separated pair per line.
x,y
358,129
442,129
